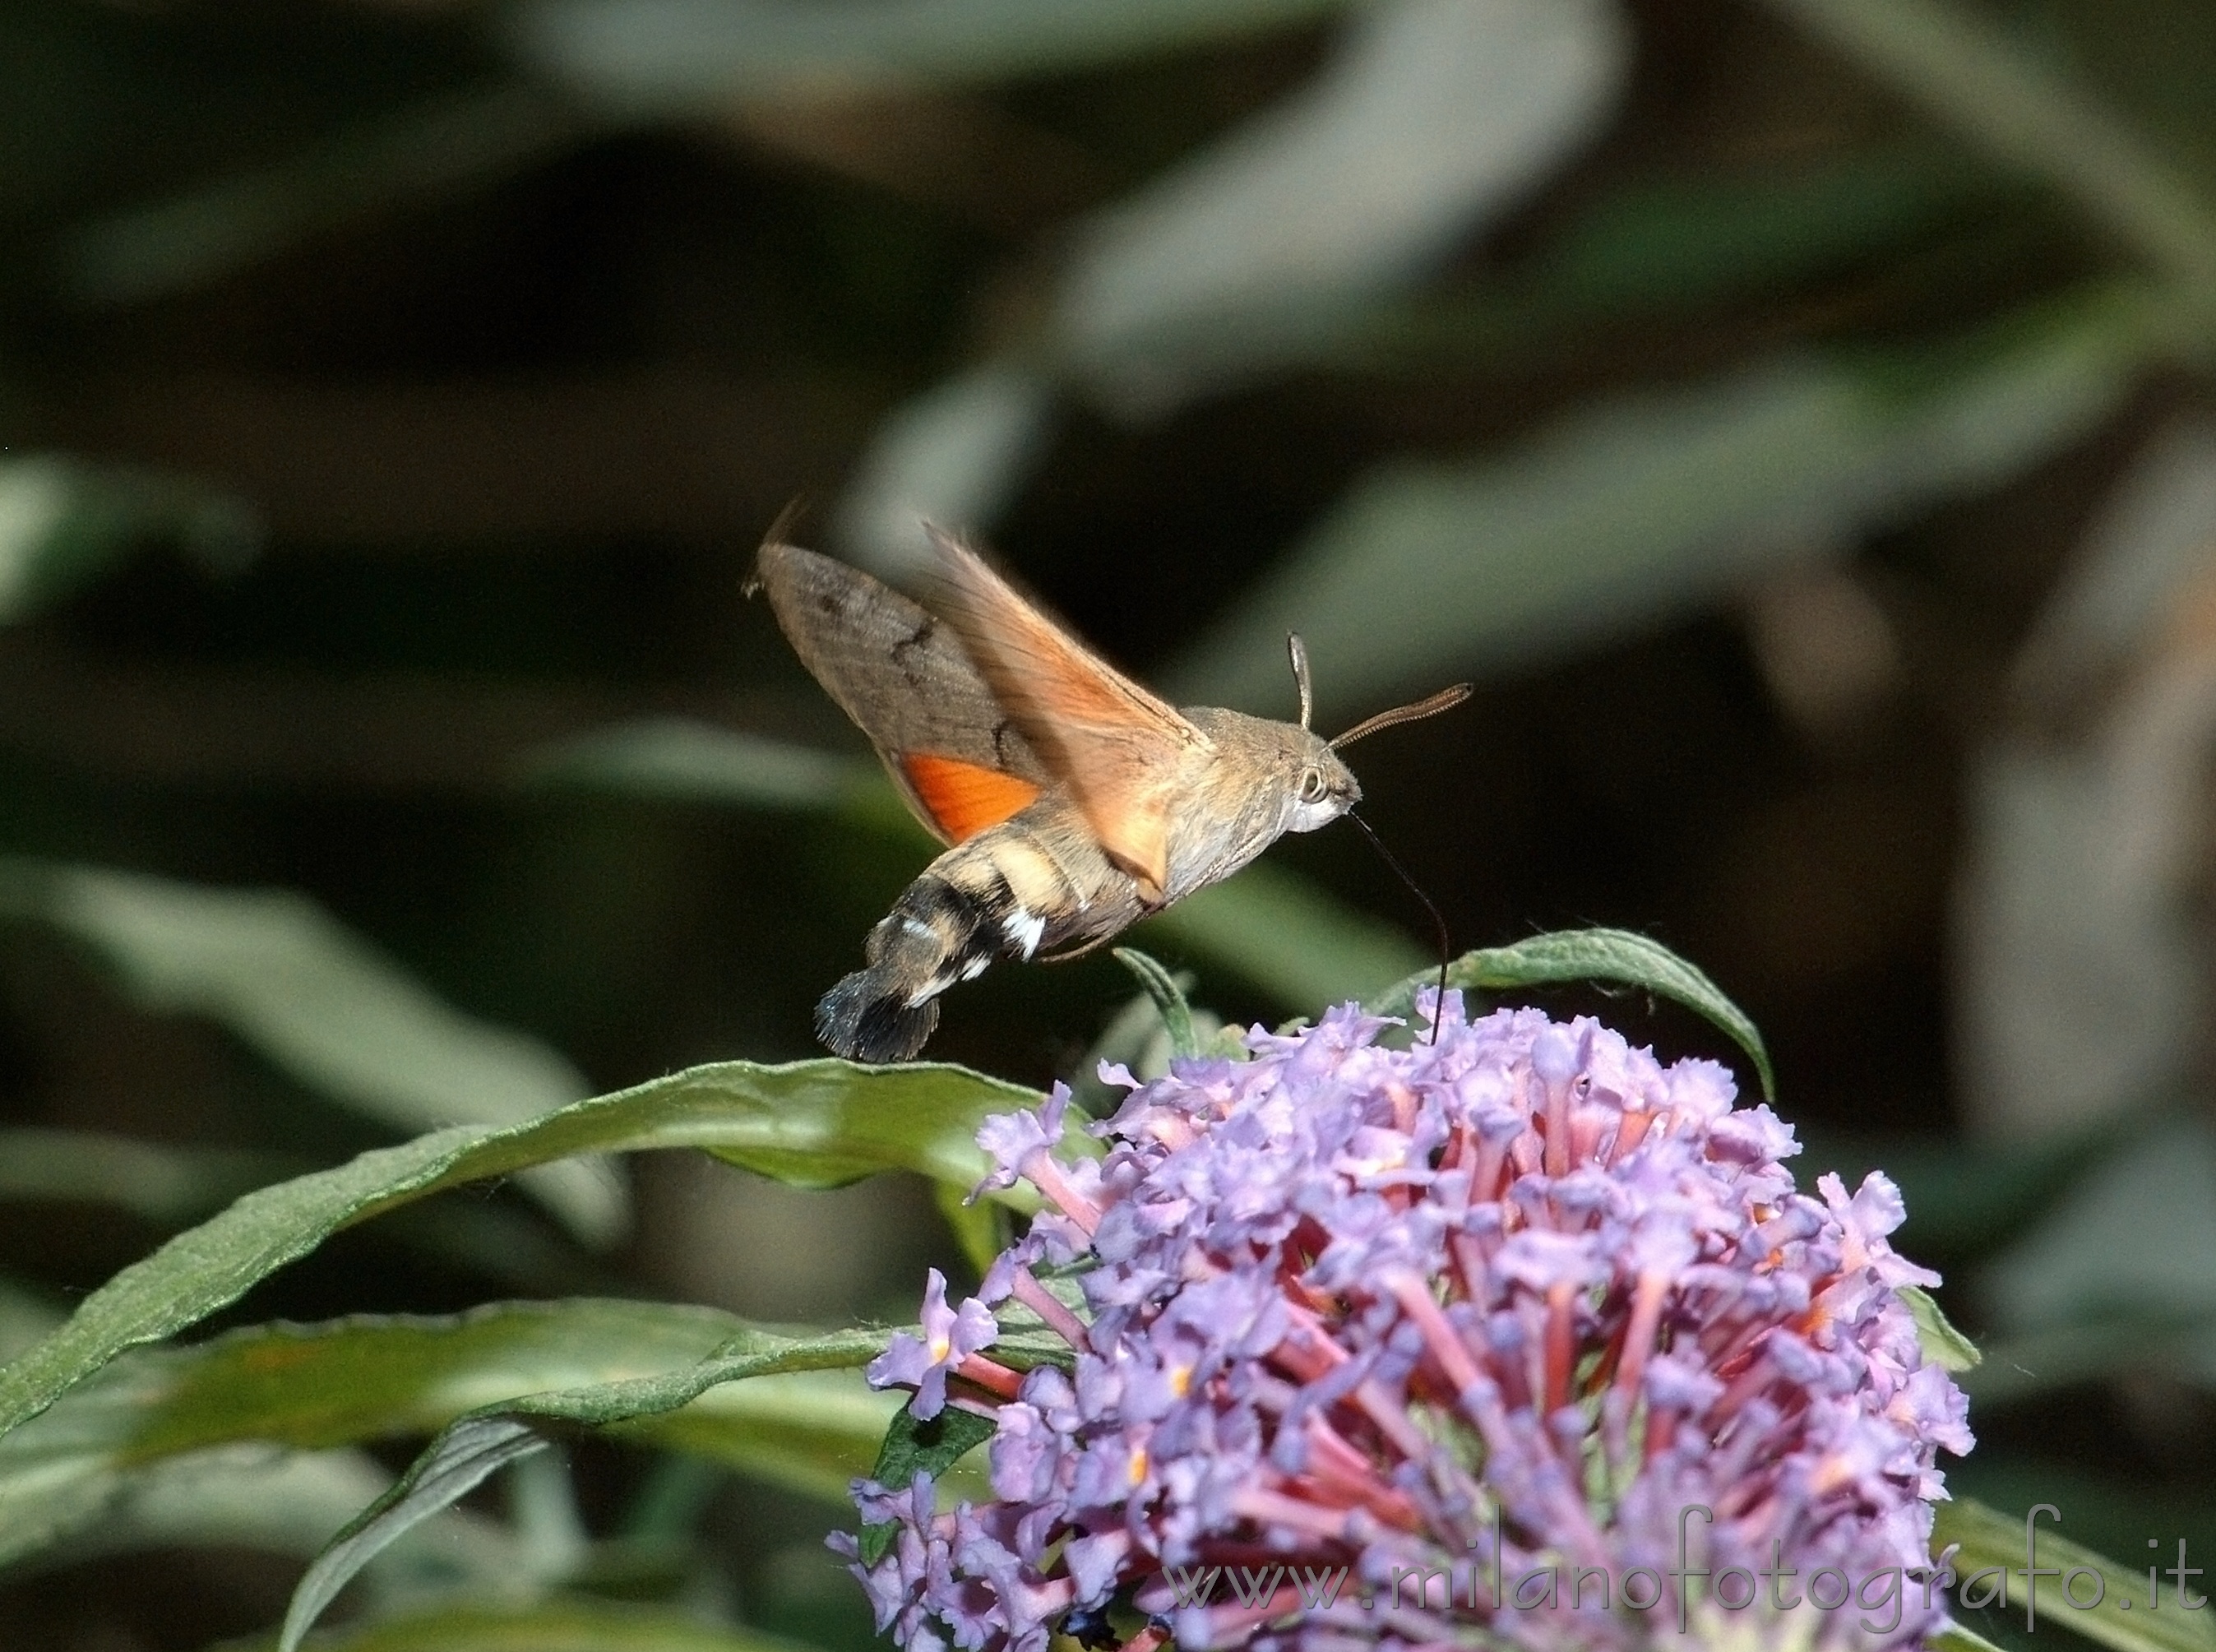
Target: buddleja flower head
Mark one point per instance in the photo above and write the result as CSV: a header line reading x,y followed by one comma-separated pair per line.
x,y
1516,1338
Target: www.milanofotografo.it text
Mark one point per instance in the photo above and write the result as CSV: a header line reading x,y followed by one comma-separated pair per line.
x,y
1879,1596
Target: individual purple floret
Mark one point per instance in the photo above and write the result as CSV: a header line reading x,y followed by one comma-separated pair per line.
x,y
1517,1338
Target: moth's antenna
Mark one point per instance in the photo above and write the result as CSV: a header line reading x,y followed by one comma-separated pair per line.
x,y
1431,705
1299,650
795,509
1438,923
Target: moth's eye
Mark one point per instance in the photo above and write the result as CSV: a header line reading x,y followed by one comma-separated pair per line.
x,y
1312,785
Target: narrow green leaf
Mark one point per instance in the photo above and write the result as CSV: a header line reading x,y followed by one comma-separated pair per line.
x,y
1612,955
688,761
1168,997
639,54
313,1387
1943,1345
420,154
480,1442
2089,1351
1971,74
912,1446
64,523
1956,1639
559,1625
471,1450
815,1123
320,1002
1653,505
162,1184
1992,1541
1300,944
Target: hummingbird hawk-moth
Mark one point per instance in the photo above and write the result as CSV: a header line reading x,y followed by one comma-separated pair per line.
x,y
1073,802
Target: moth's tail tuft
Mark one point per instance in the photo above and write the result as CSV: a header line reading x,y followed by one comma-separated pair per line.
x,y
867,1017
935,935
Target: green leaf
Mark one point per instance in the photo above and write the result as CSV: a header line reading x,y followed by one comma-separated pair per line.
x,y
1991,1539
469,1451
2139,1344
313,1387
321,1004
480,1442
424,153
64,523
912,1446
281,1503
643,54
687,760
1614,955
1168,997
1655,504
1956,1639
559,1625
814,1123
1943,1345
1973,75
1289,937
162,1184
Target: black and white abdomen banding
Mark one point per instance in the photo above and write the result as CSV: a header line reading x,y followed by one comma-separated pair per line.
x,y
949,925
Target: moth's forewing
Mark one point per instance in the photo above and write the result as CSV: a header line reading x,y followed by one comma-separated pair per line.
x,y
909,684
1120,752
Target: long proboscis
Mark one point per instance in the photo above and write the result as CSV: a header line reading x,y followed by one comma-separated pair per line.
x,y
1438,923
1446,700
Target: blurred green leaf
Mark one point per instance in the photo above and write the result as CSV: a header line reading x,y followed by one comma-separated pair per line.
x,y
561,1626
959,452
25,1316
1963,1197
1427,122
64,523
1287,936
687,760
1956,1639
482,1441
1613,955
284,1503
1941,1344
2097,1349
1706,235
1168,999
1991,1539
1969,73
814,1123
649,55
320,1002
163,1184
1632,512
913,1446
405,156
352,1381
2134,1237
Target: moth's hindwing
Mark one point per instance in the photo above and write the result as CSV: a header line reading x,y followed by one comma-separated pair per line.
x,y
906,679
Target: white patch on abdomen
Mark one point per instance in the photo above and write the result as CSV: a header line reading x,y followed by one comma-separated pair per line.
x,y
1023,930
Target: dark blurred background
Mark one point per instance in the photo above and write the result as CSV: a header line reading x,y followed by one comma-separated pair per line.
x,y
1793,416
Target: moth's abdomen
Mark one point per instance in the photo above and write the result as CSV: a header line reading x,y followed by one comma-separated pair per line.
x,y
937,933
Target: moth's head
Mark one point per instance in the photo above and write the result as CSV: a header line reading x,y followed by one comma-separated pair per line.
x,y
1323,786
1327,788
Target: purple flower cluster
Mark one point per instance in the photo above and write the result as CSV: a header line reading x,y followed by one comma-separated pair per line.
x,y
1462,1325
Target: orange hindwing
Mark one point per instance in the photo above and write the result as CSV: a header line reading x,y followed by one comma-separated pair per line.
x,y
961,797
